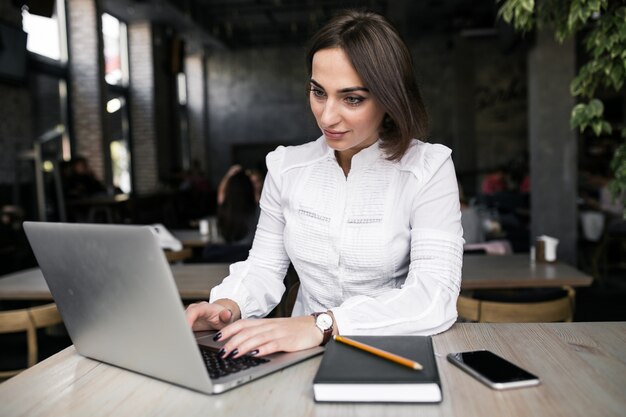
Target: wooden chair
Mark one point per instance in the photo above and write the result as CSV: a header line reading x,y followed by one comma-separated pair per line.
x,y
560,309
28,320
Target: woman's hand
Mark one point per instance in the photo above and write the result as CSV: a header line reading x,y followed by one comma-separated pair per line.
x,y
264,336
212,316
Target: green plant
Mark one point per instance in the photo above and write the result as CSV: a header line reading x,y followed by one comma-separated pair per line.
x,y
602,26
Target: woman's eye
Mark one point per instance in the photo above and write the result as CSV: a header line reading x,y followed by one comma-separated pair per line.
x,y
354,101
317,92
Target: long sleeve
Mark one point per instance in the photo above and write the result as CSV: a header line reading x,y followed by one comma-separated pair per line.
x,y
426,302
256,284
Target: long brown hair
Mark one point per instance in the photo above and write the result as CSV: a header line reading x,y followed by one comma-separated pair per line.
x,y
236,215
383,61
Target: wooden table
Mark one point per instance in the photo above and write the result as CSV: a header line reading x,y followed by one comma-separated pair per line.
x,y
178,256
192,238
582,367
194,282
516,271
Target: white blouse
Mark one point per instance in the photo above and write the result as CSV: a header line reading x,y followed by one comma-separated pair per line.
x,y
382,248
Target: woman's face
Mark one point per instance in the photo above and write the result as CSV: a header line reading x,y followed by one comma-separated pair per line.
x,y
346,112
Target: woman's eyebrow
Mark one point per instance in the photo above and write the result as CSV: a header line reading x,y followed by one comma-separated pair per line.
x,y
352,89
343,90
316,84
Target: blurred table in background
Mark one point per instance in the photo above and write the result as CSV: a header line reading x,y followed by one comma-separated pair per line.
x,y
149,208
192,238
194,282
178,256
517,271
101,208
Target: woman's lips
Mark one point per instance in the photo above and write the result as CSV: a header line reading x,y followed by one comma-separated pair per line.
x,y
334,134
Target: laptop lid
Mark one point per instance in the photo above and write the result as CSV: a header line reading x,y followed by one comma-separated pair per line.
x,y
118,300
116,294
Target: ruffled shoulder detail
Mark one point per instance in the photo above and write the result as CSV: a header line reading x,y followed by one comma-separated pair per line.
x,y
274,159
424,159
287,157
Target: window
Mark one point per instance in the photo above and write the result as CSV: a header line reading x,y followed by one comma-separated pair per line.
x,y
46,35
115,50
185,146
116,114
117,128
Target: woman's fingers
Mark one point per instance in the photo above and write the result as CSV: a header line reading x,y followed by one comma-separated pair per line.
x,y
248,335
270,335
192,313
206,316
235,333
225,316
253,343
262,336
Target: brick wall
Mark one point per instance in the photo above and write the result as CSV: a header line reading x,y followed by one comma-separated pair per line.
x,y
86,78
142,114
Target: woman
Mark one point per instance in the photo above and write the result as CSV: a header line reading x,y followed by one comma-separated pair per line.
x,y
237,217
237,207
368,216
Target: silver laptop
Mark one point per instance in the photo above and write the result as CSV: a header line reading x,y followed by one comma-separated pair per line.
x,y
116,294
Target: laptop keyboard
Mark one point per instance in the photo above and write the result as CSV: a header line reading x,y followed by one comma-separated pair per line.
x,y
219,367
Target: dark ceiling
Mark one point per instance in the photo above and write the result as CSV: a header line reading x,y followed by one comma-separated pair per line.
x,y
253,23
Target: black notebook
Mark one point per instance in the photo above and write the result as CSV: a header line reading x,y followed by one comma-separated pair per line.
x,y
348,374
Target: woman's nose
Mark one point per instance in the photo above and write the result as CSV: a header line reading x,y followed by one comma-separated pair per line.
x,y
330,115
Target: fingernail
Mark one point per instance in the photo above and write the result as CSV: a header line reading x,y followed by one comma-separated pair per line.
x,y
217,336
254,352
233,353
221,352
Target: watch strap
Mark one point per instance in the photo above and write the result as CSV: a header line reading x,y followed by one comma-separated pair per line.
x,y
326,333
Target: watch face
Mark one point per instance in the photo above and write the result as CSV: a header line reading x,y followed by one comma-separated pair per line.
x,y
324,321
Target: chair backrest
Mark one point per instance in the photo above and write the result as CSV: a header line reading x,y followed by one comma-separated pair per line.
x,y
560,309
45,315
28,320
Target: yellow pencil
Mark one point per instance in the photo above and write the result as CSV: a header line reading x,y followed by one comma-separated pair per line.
x,y
379,352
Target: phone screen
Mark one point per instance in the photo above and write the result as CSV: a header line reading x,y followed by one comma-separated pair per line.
x,y
492,367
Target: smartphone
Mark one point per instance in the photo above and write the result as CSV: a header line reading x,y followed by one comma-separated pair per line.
x,y
493,370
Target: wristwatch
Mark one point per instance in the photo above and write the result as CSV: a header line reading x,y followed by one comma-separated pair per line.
x,y
324,322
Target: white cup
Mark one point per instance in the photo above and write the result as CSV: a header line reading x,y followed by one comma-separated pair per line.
x,y
546,248
204,227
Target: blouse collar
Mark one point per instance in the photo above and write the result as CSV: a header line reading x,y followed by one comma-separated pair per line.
x,y
362,159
